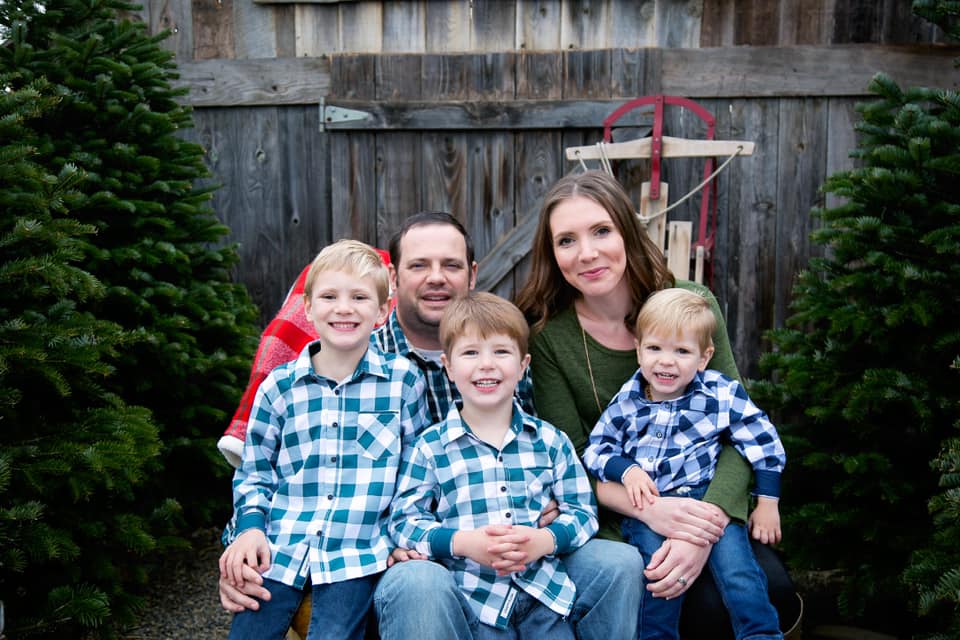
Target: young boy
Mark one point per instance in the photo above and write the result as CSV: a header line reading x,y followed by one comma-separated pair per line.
x,y
321,455
661,435
489,466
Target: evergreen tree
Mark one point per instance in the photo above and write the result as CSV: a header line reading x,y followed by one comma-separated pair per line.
x,y
124,346
159,249
71,453
861,376
934,571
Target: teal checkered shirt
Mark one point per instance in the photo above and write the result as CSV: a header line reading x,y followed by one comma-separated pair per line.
x,y
454,481
320,465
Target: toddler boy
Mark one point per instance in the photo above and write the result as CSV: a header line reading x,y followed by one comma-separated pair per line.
x,y
661,435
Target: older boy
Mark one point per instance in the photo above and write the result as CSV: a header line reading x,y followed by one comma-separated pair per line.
x,y
661,435
321,456
489,466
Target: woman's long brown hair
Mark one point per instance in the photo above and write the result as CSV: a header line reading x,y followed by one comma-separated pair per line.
x,y
547,293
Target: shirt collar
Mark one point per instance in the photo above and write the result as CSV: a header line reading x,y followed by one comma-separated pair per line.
x,y
453,427
373,362
696,386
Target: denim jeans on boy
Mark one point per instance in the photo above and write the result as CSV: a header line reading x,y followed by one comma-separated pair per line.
x,y
740,581
339,611
604,571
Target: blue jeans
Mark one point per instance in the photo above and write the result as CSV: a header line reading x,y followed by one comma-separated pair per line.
x,y
339,610
739,579
607,575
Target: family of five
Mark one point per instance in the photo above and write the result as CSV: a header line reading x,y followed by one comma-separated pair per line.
x,y
421,469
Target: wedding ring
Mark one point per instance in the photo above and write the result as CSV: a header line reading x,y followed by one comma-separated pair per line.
x,y
682,581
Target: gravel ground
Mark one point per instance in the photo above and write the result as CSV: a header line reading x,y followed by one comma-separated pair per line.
x,y
184,603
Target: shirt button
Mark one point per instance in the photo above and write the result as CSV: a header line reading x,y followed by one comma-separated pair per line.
x,y
506,515
659,434
503,488
329,496
336,424
499,458
333,458
650,459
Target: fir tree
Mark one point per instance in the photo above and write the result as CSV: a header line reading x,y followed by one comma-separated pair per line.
x,y
862,378
72,454
159,249
118,319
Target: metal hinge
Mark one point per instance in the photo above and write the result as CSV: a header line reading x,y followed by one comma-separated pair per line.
x,y
330,114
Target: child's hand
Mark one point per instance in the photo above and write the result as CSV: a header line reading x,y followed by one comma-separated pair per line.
x,y
402,555
764,522
251,549
640,487
476,544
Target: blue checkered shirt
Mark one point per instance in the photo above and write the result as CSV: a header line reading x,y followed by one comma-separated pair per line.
x,y
320,465
677,441
441,393
454,481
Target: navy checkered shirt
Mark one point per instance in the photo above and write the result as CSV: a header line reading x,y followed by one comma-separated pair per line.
x,y
677,441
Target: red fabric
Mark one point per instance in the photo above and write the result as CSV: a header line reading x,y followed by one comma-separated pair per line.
x,y
283,339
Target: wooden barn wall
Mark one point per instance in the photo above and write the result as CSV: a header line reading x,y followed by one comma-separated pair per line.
x,y
473,104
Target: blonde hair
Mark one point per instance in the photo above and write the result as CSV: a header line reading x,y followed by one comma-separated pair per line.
x,y
675,310
488,315
355,258
547,293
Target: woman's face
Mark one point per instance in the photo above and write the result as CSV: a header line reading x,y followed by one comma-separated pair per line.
x,y
587,246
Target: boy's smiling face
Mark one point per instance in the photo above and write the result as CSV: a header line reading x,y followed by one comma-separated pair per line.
x,y
485,370
669,361
344,309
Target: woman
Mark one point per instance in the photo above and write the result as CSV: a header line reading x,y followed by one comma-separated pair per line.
x,y
592,267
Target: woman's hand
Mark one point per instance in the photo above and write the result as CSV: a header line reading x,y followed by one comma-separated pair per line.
x,y
686,519
674,567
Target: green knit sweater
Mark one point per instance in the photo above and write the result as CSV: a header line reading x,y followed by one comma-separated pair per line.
x,y
563,394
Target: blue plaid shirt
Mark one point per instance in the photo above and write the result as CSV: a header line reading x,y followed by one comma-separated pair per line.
x,y
454,481
320,465
677,441
441,393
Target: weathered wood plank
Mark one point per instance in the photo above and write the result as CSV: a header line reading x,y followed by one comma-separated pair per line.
x,y
361,26
750,234
255,30
404,27
212,29
733,72
538,25
477,114
447,27
317,29
802,163
842,140
268,81
587,74
633,24
584,24
678,23
802,71
353,182
175,17
494,26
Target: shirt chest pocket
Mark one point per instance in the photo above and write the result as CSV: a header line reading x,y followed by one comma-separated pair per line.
x,y
378,437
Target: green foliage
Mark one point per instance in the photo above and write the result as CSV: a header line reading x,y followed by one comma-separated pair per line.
x,y
943,13
934,572
124,346
860,377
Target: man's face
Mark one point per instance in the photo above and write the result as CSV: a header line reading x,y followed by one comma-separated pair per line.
x,y
432,271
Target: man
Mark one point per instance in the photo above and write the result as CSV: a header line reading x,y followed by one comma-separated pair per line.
x,y
432,262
